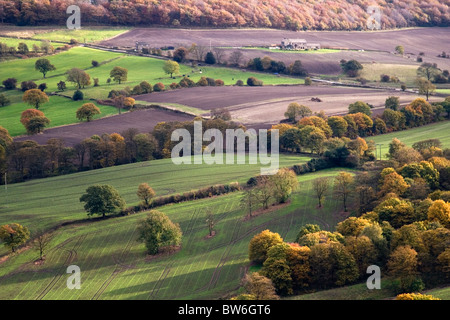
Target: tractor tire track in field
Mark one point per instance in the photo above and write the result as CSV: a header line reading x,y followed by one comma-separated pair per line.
x,y
72,255
120,267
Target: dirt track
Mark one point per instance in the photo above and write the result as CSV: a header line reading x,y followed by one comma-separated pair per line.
x,y
431,41
143,120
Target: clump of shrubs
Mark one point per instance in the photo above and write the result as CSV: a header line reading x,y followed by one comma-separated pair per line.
x,y
253,82
159,87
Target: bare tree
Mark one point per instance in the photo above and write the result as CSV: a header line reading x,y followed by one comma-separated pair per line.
x,y
41,242
197,51
250,200
220,55
320,187
210,222
235,58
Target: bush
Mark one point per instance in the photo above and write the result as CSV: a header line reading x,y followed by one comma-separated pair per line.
x,y
209,58
146,87
385,78
77,95
4,101
28,85
174,85
211,82
308,81
186,83
96,84
219,82
159,87
252,82
10,83
73,41
239,83
202,82
42,87
95,63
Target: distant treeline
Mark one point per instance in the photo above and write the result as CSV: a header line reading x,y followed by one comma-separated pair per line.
x,y
280,14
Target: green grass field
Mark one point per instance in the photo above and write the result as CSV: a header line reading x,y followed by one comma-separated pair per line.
x,y
405,73
60,111
114,265
83,35
440,130
11,42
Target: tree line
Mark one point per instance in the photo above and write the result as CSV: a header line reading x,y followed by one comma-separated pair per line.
x,y
400,222
312,15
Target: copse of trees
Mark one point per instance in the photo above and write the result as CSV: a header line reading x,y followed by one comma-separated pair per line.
x,y
351,68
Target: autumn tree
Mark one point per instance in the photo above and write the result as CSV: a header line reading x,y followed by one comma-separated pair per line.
x,y
320,188
338,126
261,243
359,106
119,74
260,287
392,103
87,111
276,268
402,265
428,71
44,66
440,211
171,67
158,231
294,110
284,182
180,54
4,101
392,182
425,86
102,199
343,187
145,193
35,97
79,77
36,125
13,235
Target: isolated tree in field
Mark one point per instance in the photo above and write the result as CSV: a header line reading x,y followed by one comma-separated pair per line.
x,y
343,187
102,199
352,68
359,106
35,97
41,242
44,66
119,74
87,111
400,50
4,101
28,114
392,103
210,222
250,200
320,187
157,231
79,77
210,58
13,235
145,193
61,85
171,67
260,245
425,86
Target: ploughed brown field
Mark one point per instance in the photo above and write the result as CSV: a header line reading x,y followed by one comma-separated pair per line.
x,y
264,106
143,120
378,46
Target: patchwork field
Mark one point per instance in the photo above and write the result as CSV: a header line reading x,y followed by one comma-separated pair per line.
x,y
378,46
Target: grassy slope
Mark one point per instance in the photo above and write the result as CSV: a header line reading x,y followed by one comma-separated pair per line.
x,y
11,42
440,130
114,266
60,111
87,35
405,73
54,200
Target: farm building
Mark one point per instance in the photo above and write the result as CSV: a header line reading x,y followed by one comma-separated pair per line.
x,y
298,44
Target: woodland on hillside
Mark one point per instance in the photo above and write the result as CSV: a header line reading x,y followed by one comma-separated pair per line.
x,y
280,14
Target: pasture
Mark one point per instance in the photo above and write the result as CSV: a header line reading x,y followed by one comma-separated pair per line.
x,y
114,265
440,130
